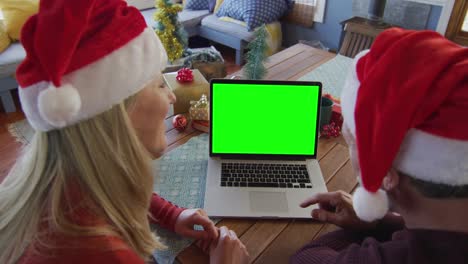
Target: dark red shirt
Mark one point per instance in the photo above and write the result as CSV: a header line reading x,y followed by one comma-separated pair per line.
x,y
387,244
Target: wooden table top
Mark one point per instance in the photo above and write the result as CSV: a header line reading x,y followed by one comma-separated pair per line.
x,y
274,241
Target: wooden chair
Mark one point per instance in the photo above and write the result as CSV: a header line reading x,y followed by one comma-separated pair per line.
x,y
359,35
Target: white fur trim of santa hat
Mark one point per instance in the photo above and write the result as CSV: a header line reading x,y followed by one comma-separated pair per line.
x,y
97,87
58,105
422,155
431,158
349,94
370,206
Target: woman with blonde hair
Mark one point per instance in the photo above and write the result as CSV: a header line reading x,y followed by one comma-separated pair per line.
x,y
82,190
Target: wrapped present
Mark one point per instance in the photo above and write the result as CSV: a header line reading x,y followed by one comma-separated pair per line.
x,y
200,110
201,125
186,91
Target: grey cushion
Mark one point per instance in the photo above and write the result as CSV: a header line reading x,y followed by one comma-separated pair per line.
x,y
233,29
188,18
192,18
10,59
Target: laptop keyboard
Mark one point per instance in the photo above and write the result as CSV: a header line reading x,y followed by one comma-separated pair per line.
x,y
265,175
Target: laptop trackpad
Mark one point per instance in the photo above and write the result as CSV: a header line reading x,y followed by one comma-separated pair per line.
x,y
268,202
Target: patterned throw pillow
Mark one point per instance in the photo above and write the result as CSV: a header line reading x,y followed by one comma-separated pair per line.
x,y
254,12
196,4
5,40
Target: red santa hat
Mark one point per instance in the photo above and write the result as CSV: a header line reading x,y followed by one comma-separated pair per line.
x,y
406,104
83,57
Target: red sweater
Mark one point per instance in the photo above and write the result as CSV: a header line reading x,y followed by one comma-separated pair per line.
x,y
164,213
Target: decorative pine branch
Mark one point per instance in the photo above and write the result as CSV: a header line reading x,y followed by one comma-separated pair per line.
x,y
254,69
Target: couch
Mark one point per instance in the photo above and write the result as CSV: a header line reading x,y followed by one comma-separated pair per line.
x,y
9,61
208,25
196,22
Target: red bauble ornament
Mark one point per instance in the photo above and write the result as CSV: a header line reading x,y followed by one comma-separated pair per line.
x,y
184,75
337,118
331,130
179,122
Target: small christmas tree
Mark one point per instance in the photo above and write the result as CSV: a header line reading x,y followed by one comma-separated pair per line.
x,y
170,30
256,56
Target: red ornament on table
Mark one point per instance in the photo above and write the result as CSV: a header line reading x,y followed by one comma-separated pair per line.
x,y
184,75
337,118
179,122
331,130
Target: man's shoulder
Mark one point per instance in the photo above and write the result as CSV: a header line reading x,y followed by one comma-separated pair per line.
x,y
374,251
418,246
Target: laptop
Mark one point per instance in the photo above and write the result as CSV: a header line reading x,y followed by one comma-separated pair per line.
x,y
263,148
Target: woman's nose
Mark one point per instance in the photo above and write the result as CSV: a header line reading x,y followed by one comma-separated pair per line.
x,y
172,97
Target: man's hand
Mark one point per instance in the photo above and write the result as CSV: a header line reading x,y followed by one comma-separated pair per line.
x,y
184,225
229,249
336,208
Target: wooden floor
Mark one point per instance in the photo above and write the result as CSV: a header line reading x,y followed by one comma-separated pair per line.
x,y
10,149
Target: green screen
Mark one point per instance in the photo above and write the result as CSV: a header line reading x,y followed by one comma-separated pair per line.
x,y
264,118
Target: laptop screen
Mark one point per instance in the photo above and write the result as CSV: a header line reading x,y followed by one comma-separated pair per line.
x,y
266,118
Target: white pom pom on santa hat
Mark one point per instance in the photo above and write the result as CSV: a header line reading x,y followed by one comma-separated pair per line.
x,y
370,206
58,105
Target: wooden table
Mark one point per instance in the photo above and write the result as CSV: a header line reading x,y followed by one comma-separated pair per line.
x,y
274,241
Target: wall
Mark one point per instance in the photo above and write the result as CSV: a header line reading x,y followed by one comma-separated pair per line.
x,y
434,16
329,32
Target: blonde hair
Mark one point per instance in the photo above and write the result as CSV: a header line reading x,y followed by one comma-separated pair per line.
x,y
103,158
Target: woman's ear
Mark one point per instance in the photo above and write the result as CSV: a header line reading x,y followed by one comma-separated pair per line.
x,y
391,181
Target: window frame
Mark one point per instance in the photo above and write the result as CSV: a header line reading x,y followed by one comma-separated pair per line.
x,y
444,19
320,10
454,29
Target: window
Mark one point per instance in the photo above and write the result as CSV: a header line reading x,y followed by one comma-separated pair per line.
x,y
447,7
318,8
457,29
465,23
306,12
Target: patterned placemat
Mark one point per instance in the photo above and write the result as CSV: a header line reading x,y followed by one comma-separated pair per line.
x,y
332,74
181,180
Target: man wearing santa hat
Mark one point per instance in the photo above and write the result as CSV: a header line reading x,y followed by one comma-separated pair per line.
x,y
405,109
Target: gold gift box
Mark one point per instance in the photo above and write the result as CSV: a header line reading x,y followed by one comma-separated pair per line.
x,y
186,92
200,110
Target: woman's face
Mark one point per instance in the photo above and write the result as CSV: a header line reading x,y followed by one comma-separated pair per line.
x,y
148,114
